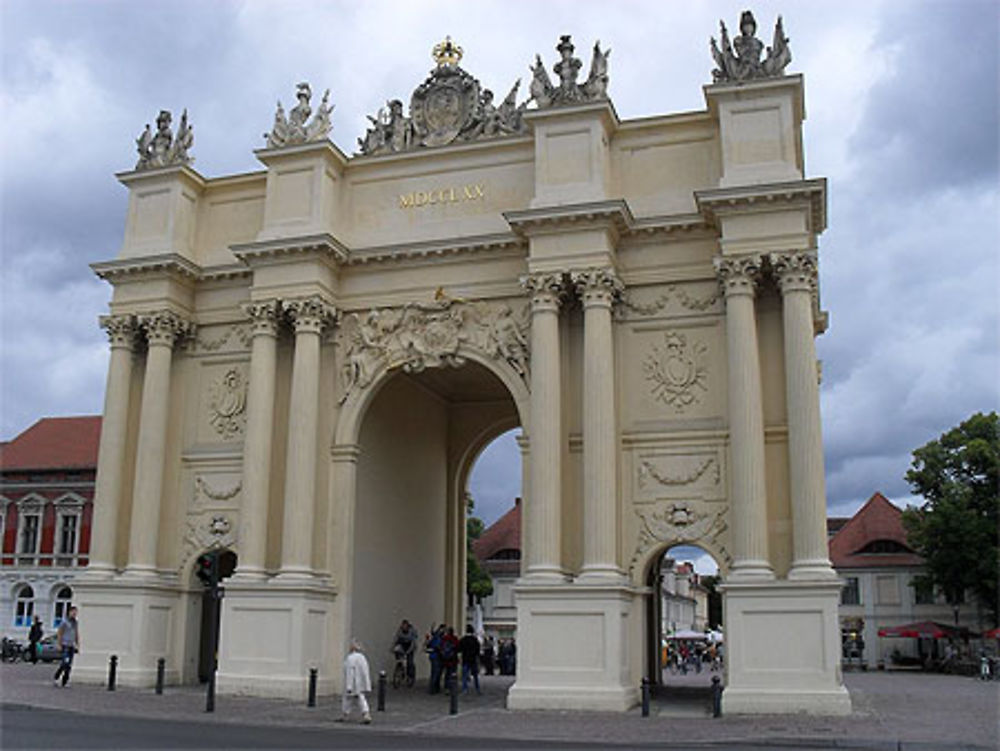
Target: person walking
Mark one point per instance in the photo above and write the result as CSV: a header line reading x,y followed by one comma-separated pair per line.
x,y
468,648
35,636
357,682
489,655
68,639
449,656
406,639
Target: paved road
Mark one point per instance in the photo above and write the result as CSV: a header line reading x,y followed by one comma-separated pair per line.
x,y
891,711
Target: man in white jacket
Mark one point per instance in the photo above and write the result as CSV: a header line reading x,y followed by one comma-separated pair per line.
x,y
357,681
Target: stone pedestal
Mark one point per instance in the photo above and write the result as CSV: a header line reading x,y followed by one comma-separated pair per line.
x,y
135,619
272,633
573,647
783,648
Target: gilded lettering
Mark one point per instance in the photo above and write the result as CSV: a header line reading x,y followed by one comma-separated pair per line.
x,y
472,192
420,198
406,202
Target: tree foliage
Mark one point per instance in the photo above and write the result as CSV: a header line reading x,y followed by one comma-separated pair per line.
x,y
956,529
714,601
478,583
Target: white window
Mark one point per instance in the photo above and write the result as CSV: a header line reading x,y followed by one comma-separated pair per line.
x,y
67,537
31,524
24,608
851,593
61,608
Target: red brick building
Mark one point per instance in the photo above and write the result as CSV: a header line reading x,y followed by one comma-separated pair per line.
x,y
46,507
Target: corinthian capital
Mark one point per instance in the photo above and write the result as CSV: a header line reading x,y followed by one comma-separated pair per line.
x,y
265,315
738,276
310,314
597,286
794,271
165,327
122,330
545,288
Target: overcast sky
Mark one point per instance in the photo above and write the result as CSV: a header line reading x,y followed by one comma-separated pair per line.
x,y
901,101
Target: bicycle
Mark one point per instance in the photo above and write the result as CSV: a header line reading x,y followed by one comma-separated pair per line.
x,y
12,651
400,674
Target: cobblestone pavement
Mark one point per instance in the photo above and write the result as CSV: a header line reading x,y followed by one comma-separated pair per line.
x,y
891,711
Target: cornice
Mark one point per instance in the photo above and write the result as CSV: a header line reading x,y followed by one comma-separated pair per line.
x,y
717,202
164,264
326,147
284,249
613,213
431,249
160,174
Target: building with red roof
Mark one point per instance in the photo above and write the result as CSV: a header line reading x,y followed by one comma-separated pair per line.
x,y
498,550
881,571
47,478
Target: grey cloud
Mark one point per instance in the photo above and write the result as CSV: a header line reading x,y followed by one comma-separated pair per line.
x,y
932,123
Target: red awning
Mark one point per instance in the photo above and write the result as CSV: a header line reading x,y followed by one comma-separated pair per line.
x,y
924,630
993,633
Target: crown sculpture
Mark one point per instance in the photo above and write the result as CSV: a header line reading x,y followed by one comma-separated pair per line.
x,y
451,106
162,149
740,61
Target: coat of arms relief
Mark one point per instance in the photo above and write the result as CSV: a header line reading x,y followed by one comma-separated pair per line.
x,y
416,336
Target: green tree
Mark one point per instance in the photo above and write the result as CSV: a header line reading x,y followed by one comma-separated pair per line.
x,y
956,529
478,583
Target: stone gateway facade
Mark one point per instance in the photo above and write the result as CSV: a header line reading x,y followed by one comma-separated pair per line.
x,y
306,361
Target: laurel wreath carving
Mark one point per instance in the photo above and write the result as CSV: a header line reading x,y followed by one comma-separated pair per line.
x,y
677,371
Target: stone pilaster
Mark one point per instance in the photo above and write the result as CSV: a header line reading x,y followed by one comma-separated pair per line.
x,y
257,444
108,488
543,543
162,330
796,276
747,487
597,289
309,316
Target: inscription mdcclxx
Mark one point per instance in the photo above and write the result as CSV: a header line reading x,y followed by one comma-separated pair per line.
x,y
419,198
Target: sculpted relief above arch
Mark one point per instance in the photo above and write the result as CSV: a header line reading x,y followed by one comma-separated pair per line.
x,y
416,336
680,522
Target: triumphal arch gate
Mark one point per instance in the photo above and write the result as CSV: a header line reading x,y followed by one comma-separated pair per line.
x,y
307,359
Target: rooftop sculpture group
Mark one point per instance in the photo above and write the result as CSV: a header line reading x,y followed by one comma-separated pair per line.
x,y
297,128
740,61
162,149
451,106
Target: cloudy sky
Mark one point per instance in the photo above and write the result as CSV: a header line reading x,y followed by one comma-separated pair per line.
x,y
901,100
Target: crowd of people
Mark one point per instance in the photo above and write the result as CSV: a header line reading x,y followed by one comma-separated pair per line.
x,y
692,656
446,652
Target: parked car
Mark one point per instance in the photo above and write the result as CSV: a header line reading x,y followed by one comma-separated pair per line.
x,y
48,649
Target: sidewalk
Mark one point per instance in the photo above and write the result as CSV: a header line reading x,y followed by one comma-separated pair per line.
x,y
892,711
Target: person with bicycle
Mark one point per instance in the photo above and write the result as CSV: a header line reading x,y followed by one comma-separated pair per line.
x,y
404,646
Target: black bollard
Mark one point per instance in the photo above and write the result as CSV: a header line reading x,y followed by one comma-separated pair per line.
x,y
716,696
112,672
452,694
380,706
161,665
311,701
645,697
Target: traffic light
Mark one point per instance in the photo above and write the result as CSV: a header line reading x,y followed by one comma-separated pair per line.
x,y
207,569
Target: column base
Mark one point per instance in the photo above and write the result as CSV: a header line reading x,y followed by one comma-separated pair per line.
x,y
545,575
783,648
812,570
751,570
573,647
601,575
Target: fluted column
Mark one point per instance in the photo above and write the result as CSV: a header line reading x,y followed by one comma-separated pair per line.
x,y
598,288
747,486
796,276
111,451
309,317
544,502
257,444
162,329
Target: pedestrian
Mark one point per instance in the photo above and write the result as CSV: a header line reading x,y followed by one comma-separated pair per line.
x,y
449,655
488,656
432,646
35,636
68,639
513,657
357,681
468,647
